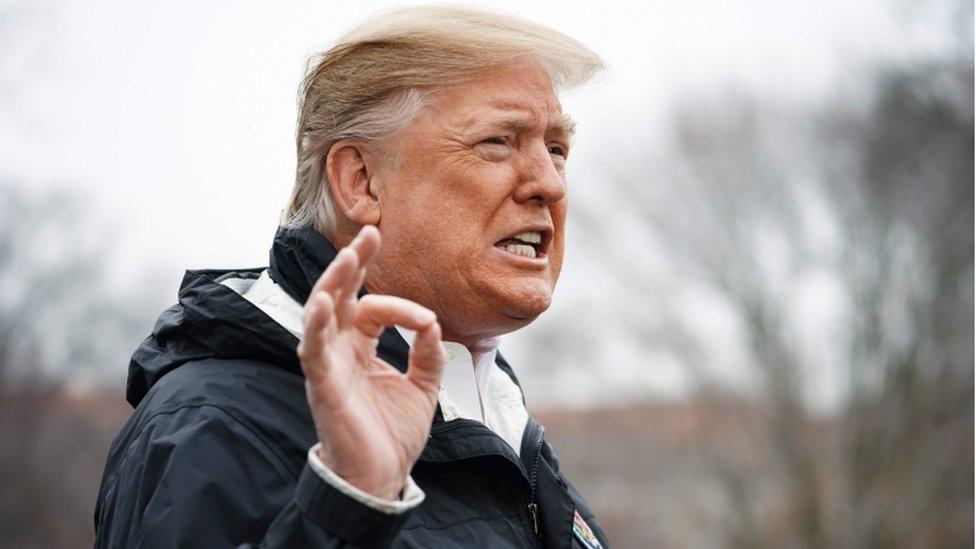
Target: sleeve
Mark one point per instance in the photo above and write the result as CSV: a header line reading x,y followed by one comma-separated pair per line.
x,y
412,494
196,477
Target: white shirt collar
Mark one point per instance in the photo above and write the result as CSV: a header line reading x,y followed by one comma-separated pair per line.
x,y
466,381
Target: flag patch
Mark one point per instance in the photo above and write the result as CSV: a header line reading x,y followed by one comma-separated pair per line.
x,y
584,534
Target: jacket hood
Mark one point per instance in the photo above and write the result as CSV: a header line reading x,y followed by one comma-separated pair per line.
x,y
212,320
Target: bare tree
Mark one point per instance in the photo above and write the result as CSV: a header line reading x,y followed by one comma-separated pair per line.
x,y
57,319
908,430
854,424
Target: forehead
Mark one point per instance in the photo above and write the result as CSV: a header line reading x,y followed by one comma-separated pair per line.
x,y
518,95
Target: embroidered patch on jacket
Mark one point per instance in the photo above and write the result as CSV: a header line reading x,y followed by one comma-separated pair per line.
x,y
584,534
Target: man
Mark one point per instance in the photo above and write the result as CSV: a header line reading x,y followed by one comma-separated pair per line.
x,y
431,153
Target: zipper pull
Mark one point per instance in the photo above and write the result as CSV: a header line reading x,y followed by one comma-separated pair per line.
x,y
534,511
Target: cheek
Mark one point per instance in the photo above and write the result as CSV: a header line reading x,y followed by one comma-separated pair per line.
x,y
474,205
449,211
442,236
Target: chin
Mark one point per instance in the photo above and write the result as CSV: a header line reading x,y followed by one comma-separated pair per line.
x,y
525,306
509,303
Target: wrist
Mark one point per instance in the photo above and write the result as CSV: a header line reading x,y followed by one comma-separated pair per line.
x,y
389,491
384,489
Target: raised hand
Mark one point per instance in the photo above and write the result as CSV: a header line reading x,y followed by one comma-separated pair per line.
x,y
371,420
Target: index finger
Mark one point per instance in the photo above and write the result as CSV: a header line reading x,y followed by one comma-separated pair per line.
x,y
375,312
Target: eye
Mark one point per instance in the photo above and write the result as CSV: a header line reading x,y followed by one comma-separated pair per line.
x,y
494,148
496,140
558,154
558,150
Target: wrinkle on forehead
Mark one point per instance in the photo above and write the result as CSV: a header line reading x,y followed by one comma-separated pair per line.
x,y
516,98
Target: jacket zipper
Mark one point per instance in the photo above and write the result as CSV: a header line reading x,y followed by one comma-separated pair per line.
x,y
533,475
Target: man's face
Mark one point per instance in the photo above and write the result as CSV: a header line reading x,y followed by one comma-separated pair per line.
x,y
473,204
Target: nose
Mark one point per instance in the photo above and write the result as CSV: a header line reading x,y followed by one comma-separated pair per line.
x,y
539,180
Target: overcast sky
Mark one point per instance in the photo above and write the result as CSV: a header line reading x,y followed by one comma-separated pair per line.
x,y
175,119
178,116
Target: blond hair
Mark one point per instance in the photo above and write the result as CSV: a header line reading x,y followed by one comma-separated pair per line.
x,y
372,83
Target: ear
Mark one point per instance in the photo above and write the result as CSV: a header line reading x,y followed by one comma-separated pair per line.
x,y
349,167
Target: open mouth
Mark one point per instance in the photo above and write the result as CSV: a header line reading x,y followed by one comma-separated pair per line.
x,y
530,244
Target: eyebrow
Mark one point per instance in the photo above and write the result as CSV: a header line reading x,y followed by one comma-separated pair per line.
x,y
518,121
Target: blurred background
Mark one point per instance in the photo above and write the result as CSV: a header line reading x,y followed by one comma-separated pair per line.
x,y
763,336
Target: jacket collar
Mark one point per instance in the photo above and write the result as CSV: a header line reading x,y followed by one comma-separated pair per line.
x,y
298,258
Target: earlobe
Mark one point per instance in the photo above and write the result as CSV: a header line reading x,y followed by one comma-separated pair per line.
x,y
351,180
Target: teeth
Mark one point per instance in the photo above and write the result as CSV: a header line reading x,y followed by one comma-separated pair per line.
x,y
532,237
521,249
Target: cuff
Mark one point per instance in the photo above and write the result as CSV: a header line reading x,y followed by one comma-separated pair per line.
x,y
331,503
411,496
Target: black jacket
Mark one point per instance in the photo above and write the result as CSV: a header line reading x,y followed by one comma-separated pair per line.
x,y
215,452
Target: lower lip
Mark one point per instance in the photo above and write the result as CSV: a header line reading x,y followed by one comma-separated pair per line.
x,y
538,261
